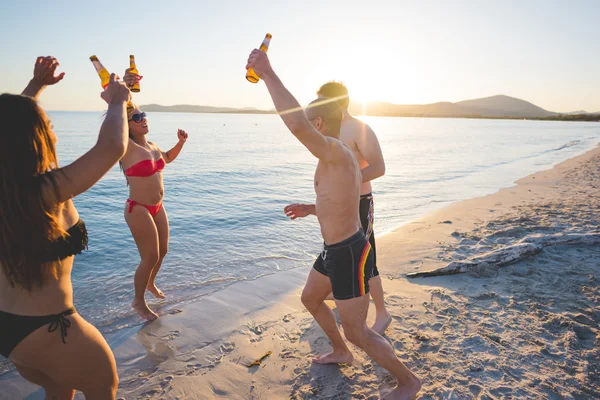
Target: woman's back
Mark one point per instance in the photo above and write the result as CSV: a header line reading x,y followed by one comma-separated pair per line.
x,y
56,293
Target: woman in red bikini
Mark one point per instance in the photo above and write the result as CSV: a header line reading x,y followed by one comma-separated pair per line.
x,y
144,212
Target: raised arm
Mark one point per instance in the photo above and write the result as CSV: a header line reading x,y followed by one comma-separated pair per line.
x,y
289,109
84,172
369,147
172,154
43,75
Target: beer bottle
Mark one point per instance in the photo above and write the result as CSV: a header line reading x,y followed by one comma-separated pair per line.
x,y
102,72
136,86
251,75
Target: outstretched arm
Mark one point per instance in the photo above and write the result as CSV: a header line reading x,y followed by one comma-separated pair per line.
x,y
43,75
369,147
289,109
172,154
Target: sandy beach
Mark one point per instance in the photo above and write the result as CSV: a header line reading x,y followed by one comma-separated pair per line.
x,y
522,321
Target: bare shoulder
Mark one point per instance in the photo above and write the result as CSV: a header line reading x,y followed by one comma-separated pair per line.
x,y
354,128
364,127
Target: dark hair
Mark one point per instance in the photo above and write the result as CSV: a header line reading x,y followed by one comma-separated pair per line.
x,y
27,222
335,90
131,107
329,111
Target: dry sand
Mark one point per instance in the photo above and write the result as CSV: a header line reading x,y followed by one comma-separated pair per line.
x,y
525,330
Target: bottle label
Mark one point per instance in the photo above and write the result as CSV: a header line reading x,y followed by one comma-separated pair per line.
x,y
265,44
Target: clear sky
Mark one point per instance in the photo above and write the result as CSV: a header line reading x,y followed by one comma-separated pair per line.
x,y
409,52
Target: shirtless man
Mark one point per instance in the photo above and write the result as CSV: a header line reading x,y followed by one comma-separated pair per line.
x,y
347,261
362,141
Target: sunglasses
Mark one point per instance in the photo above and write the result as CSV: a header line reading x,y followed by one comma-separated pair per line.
x,y
138,117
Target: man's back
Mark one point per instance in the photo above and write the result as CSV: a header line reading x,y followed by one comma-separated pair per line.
x,y
361,139
337,185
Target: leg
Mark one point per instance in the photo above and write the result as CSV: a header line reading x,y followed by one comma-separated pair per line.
x,y
53,390
162,225
382,317
313,296
353,313
367,219
144,233
84,363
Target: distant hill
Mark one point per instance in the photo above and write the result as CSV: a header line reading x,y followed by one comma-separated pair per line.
x,y
499,106
490,107
577,112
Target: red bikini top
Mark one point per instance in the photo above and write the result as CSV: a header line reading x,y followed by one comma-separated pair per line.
x,y
145,168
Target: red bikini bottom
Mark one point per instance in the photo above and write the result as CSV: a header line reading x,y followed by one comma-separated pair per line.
x,y
152,209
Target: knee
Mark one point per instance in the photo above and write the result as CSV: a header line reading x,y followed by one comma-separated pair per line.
x,y
104,385
107,391
111,383
309,301
356,336
150,257
114,385
163,252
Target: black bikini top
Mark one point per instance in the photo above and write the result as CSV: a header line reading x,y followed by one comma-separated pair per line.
x,y
73,243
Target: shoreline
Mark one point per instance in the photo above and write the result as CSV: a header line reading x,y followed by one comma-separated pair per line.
x,y
196,351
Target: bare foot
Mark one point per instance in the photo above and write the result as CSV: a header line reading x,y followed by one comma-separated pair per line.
x,y
334,358
329,297
382,323
405,392
156,291
142,309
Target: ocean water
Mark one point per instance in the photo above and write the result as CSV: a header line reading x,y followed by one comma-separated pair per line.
x,y
226,192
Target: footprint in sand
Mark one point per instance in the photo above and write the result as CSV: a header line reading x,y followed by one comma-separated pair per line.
x,y
421,337
192,368
440,295
583,333
174,334
166,381
321,341
219,392
256,329
288,318
287,354
227,347
396,300
485,296
437,326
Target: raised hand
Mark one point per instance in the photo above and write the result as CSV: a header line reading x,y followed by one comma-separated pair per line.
x,y
297,210
116,92
259,61
182,135
130,78
44,69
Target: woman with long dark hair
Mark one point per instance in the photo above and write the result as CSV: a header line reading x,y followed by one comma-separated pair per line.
x,y
41,333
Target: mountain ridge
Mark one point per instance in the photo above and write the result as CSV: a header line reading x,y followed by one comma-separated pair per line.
x,y
498,106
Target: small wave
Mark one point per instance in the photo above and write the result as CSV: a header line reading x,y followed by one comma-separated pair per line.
x,y
567,145
275,257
